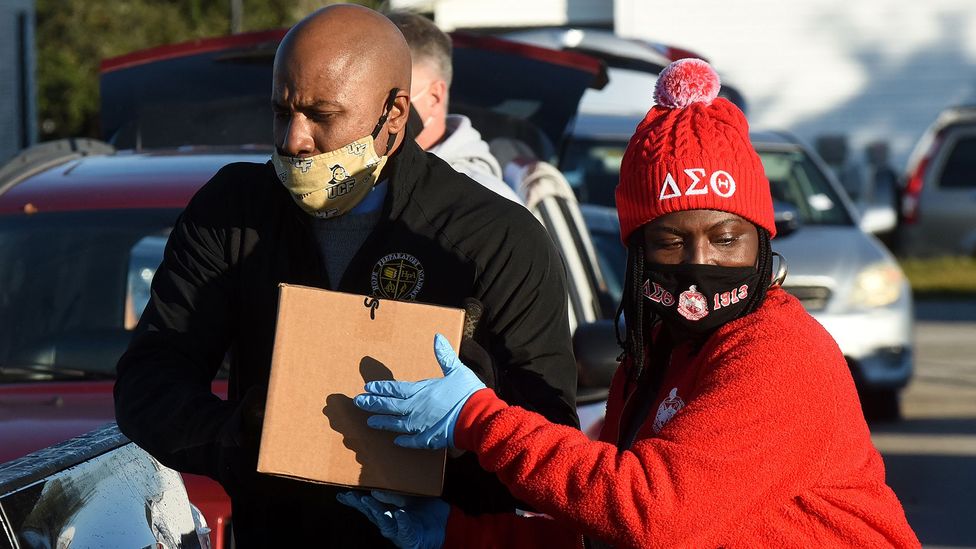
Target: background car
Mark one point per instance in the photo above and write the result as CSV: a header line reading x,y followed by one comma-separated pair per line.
x,y
81,234
83,223
632,66
843,276
96,490
939,198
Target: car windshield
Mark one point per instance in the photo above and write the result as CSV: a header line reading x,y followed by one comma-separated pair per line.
x,y
592,167
72,287
794,179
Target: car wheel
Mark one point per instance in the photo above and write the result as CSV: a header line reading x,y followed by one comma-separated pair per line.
x,y
881,405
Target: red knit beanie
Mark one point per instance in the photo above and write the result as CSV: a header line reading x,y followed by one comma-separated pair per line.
x,y
691,152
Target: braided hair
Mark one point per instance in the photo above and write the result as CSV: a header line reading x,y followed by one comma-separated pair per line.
x,y
639,320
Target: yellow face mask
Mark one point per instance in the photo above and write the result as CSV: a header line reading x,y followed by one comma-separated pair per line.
x,y
332,183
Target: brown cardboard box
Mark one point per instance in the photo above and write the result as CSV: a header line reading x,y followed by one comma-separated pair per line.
x,y
327,346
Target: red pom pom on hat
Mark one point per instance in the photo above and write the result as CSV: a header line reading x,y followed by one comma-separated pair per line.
x,y
686,81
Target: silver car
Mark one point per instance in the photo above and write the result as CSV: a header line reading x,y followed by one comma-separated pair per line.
x,y
939,199
843,275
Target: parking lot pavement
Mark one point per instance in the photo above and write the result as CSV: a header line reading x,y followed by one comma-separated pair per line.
x,y
931,454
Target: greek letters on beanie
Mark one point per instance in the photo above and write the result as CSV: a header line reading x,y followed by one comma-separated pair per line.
x,y
691,152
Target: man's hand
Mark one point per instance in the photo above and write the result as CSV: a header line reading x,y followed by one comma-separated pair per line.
x,y
409,522
427,410
472,353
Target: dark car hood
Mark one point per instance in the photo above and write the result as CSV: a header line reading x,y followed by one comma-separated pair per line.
x,y
157,179
37,415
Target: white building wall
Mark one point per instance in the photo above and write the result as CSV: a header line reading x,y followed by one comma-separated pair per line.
x,y
453,14
873,69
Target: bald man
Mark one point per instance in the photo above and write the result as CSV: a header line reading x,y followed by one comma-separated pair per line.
x,y
346,203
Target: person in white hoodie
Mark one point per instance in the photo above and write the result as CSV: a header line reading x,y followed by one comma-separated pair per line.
x,y
449,136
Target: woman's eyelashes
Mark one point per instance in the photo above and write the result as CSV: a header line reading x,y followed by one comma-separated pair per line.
x,y
669,244
727,239
723,240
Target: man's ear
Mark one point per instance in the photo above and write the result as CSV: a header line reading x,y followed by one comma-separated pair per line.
x,y
438,92
399,112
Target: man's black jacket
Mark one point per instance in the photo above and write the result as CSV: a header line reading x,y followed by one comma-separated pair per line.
x,y
443,238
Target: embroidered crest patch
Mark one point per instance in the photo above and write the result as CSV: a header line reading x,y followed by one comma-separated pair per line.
x,y
667,409
692,304
397,276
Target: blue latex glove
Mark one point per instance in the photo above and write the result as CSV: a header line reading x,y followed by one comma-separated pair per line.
x,y
409,522
427,409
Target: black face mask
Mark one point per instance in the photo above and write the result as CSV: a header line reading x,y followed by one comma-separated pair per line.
x,y
699,298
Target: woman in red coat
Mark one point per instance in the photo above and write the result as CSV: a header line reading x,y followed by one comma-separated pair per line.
x,y
733,420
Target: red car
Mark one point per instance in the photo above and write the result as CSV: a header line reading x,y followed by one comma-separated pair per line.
x,y
83,223
78,245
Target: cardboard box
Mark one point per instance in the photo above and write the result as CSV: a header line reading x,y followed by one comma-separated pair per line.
x,y
327,346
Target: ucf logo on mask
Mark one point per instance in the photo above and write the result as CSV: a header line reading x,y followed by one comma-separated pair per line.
x,y
341,183
332,183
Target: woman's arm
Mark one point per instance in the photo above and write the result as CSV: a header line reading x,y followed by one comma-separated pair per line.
x,y
756,432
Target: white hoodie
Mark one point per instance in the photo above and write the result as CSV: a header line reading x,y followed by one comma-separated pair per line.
x,y
463,148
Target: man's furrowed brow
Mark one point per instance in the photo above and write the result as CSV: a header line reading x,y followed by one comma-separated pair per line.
x,y
321,104
316,104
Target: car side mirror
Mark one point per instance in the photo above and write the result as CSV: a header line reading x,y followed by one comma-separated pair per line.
x,y
596,350
786,217
878,219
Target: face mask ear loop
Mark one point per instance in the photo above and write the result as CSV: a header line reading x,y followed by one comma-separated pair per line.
x,y
781,271
386,113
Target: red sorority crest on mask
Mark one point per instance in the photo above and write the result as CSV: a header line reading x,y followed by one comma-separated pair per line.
x,y
692,304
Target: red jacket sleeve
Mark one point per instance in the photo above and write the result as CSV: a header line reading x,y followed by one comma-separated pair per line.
x,y
756,431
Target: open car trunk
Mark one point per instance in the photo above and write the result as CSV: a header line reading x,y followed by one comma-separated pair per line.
x,y
508,89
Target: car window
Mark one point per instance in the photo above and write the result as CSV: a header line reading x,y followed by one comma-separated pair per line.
x,y
612,257
144,258
959,171
150,106
794,179
592,168
72,286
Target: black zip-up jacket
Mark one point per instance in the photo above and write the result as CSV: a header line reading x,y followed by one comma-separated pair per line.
x,y
442,238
